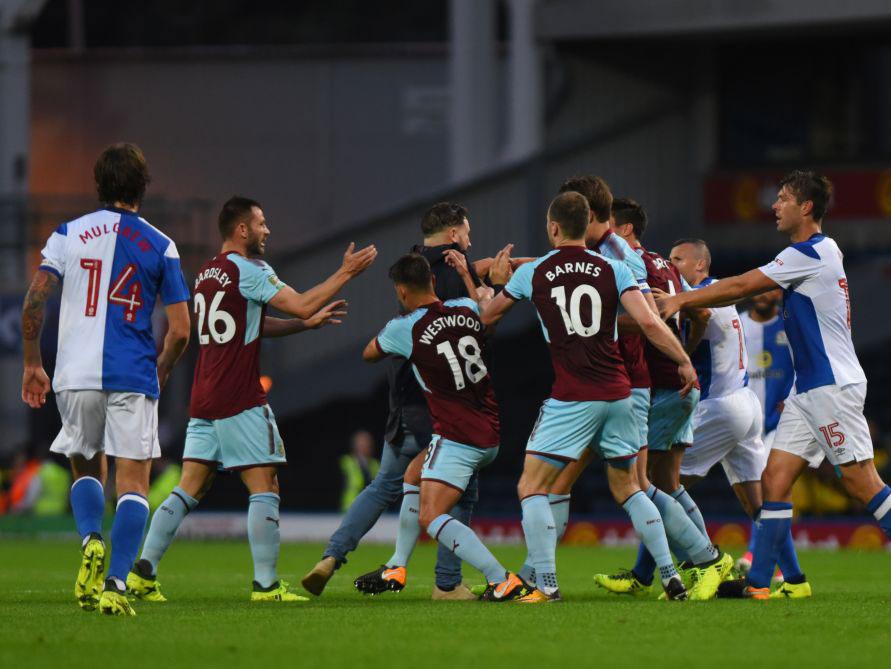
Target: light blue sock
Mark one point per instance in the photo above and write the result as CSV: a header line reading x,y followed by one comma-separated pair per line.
x,y
771,529
880,507
463,542
648,525
527,571
263,535
87,505
560,511
165,522
684,499
541,538
126,534
685,539
409,529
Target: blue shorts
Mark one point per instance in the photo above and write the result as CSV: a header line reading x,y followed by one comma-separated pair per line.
x,y
640,399
453,463
248,439
671,418
565,429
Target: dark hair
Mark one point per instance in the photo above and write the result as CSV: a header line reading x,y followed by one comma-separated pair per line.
x,y
412,270
699,244
625,211
235,211
442,215
121,174
595,190
571,212
808,185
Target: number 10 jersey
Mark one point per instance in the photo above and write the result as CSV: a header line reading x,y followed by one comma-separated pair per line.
x,y
231,293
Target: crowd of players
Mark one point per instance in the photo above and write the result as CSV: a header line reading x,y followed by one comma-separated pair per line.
x,y
650,363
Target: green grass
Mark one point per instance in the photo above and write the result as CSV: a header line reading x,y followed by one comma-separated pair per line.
x,y
208,621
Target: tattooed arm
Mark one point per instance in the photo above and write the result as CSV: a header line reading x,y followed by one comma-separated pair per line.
x,y
35,382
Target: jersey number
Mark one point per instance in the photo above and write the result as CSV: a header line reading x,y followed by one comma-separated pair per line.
x,y
469,349
215,317
118,294
572,317
738,327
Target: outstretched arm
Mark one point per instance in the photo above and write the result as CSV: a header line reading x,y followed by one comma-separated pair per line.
x,y
35,382
496,308
331,314
721,293
373,352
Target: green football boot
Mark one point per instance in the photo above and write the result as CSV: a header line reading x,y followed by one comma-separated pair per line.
x,y
114,602
277,592
622,583
792,591
707,577
144,585
88,585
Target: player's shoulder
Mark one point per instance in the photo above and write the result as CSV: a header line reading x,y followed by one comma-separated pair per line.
x,y
462,303
816,248
246,264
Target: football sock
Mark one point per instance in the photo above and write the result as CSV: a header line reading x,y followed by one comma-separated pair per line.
x,y
461,540
685,539
880,507
644,566
126,534
684,499
165,522
263,535
560,512
541,539
773,525
409,529
527,571
648,526
87,505
751,547
787,559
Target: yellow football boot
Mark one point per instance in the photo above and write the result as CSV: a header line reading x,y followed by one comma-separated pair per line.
x,y
114,602
88,585
622,583
144,587
277,592
792,591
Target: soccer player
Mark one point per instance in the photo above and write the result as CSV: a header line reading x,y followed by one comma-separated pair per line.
x,y
577,293
823,417
231,425
446,227
443,342
113,265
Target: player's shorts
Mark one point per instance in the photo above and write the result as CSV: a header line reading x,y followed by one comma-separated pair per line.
x,y
248,439
768,440
640,400
123,425
565,429
671,418
727,430
826,422
454,463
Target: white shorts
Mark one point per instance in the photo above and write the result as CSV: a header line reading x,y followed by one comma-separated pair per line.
x,y
826,422
123,425
768,439
727,430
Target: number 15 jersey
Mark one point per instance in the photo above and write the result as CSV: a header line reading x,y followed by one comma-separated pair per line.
x,y
231,294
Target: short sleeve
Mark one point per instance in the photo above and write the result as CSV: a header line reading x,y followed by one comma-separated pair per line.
x,y
173,283
638,270
257,281
395,338
53,254
464,302
793,266
519,287
624,279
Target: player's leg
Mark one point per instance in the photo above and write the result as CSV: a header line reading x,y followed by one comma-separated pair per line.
x,y
539,473
449,584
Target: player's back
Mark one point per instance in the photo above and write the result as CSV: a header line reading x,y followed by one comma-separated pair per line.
x,y
443,341
231,293
576,294
769,364
721,356
663,275
113,264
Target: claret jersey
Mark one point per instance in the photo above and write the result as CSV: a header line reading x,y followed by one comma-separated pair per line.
x,y
443,342
231,294
663,275
113,265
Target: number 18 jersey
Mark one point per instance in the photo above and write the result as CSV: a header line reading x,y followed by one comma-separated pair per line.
x,y
231,294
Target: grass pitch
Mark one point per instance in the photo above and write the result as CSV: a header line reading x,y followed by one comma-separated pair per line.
x,y
208,621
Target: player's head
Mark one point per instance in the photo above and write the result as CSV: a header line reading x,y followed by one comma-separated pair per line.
x,y
568,216
412,278
628,219
241,221
446,223
766,305
692,258
803,198
121,175
599,197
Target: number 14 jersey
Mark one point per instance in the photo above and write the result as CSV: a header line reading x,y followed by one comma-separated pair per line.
x,y
231,294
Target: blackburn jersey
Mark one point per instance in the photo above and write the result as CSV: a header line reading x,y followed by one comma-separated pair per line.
x,y
631,346
663,275
443,342
817,313
113,265
231,293
769,366
576,294
721,357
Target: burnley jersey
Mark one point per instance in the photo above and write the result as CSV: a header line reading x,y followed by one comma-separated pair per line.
x,y
663,275
231,294
113,265
576,294
443,342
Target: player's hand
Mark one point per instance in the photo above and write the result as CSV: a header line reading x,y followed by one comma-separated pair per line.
x,y
688,378
356,263
484,293
668,305
330,314
501,272
457,261
35,386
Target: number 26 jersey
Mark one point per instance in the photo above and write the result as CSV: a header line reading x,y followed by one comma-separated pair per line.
x,y
231,294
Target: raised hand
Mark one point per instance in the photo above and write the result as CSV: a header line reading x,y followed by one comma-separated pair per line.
x,y
456,260
501,272
330,314
35,386
354,263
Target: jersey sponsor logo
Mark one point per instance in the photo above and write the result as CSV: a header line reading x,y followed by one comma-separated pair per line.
x,y
781,339
450,321
573,268
275,281
128,232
